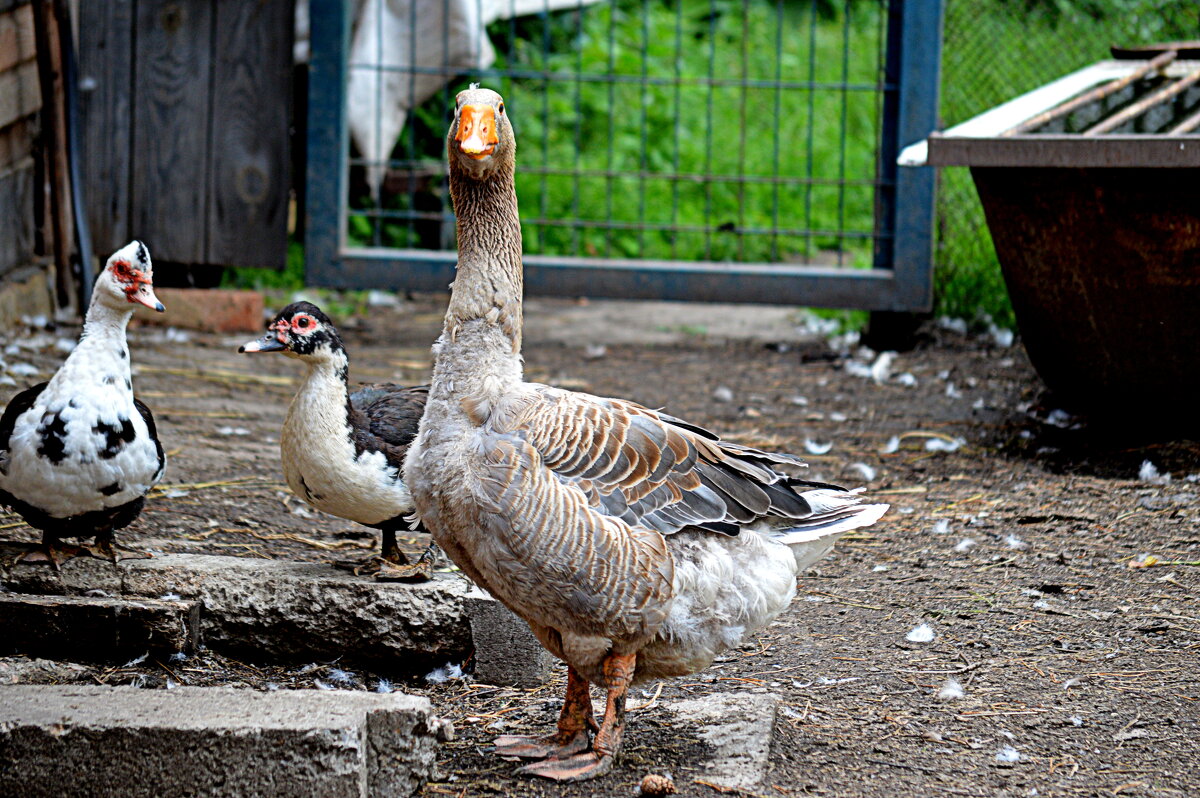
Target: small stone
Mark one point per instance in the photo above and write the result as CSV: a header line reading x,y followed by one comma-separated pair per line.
x,y
654,784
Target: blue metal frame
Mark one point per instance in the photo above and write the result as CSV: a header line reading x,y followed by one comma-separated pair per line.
x,y
901,280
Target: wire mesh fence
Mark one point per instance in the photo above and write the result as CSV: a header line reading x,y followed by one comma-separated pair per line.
x,y
994,50
706,130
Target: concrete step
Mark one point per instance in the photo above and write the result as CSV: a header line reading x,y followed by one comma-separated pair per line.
x,y
273,609
92,629
61,742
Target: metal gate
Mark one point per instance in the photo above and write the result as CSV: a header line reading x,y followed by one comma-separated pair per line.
x,y
696,150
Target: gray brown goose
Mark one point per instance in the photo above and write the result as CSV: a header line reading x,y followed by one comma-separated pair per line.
x,y
342,451
79,453
635,544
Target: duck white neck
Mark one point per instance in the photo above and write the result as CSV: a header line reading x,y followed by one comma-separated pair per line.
x,y
102,354
320,406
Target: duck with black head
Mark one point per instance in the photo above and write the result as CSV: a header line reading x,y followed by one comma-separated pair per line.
x,y
341,451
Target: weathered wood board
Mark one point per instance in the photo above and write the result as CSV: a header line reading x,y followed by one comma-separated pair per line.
x,y
186,112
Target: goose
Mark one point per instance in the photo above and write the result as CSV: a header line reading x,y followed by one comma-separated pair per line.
x,y
636,545
79,453
342,451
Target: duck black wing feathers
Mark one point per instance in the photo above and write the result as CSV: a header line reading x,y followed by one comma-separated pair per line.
x,y
148,417
18,405
385,417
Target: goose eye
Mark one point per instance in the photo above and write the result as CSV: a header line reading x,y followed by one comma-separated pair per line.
x,y
501,109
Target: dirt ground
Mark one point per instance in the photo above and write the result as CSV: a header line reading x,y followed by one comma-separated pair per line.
x,y
1078,668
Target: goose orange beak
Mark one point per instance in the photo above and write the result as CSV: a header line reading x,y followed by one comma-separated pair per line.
x,y
477,131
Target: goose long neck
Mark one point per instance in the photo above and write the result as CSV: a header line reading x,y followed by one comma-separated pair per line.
x,y
488,286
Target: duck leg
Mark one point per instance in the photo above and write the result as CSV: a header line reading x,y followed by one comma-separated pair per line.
x,y
574,721
618,673
395,567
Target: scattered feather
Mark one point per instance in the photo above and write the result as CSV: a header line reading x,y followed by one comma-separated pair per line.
x,y
950,691
339,676
171,597
952,391
921,634
907,380
320,685
232,431
1008,754
1075,720
943,445
1148,473
137,661
953,325
175,493
812,447
178,656
1061,418
941,526
382,299
864,471
856,369
383,686
892,446
837,418
799,401
1014,542
1074,681
594,351
722,394
1002,336
446,673
65,345
964,545
22,370
881,369
880,568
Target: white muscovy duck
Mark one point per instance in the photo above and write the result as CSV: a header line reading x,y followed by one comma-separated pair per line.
x,y
79,453
636,545
342,452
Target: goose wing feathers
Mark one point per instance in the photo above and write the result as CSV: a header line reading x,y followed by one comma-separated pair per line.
x,y
652,470
384,417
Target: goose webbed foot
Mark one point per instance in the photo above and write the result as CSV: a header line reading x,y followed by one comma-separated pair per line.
x,y
559,745
574,722
618,673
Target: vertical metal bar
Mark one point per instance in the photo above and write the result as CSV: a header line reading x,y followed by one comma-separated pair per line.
x,y
744,99
645,131
905,200
845,128
612,102
811,149
544,196
325,181
779,19
576,243
713,16
678,126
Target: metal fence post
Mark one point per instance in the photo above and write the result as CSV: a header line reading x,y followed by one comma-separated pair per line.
x,y
905,203
325,181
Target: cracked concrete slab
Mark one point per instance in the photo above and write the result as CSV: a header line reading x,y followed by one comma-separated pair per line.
x,y
63,741
738,727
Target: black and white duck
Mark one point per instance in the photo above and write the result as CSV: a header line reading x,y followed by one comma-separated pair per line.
x,y
79,453
342,451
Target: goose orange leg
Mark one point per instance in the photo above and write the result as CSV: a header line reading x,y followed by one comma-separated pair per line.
x,y
573,724
618,673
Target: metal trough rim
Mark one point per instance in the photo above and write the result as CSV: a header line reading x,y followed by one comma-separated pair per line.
x,y
981,141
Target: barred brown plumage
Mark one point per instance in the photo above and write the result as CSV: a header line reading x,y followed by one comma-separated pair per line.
x,y
635,544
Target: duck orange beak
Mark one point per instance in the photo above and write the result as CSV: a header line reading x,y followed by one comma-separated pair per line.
x,y
477,131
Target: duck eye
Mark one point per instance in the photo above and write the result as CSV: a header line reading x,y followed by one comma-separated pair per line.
x,y
302,323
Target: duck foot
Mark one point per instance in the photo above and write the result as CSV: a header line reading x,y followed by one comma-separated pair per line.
x,y
579,767
107,550
53,554
551,746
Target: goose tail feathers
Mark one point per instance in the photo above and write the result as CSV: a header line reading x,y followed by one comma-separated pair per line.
x,y
834,513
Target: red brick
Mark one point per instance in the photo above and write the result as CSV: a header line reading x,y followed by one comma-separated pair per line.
x,y
208,309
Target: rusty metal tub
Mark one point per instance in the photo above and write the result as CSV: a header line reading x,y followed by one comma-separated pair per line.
x,y
1096,224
